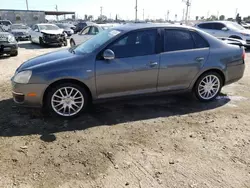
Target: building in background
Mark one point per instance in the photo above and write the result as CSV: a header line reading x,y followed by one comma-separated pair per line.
x,y
29,17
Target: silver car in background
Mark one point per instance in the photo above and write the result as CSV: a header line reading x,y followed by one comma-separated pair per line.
x,y
129,60
225,29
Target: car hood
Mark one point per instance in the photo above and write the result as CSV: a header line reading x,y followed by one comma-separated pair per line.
x,y
49,58
59,31
19,30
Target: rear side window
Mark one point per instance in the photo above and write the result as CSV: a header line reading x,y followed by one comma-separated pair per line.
x,y
218,26
175,40
206,26
199,41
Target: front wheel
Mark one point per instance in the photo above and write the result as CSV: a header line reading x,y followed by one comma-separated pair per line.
x,y
208,86
41,42
72,43
67,100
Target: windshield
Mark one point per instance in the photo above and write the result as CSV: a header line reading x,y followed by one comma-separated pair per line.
x,y
48,27
62,26
235,26
92,44
19,27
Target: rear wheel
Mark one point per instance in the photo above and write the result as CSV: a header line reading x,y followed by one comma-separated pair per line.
x,y
208,86
67,100
15,53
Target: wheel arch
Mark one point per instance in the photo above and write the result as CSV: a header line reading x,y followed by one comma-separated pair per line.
x,y
66,80
220,72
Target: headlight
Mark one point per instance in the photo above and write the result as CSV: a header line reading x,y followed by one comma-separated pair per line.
x,y
11,39
22,77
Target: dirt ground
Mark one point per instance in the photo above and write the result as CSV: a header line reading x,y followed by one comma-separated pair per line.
x,y
168,141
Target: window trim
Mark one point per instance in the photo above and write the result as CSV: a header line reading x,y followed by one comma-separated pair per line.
x,y
156,51
204,24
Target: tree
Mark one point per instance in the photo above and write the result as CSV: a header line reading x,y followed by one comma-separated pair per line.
x,y
116,17
90,17
222,17
202,18
212,18
197,18
85,17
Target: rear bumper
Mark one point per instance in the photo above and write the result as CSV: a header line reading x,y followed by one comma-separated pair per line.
x,y
234,73
8,48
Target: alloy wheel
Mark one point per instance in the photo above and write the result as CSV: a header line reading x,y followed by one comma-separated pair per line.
x,y
67,101
209,87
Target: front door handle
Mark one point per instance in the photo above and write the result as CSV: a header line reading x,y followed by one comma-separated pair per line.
x,y
153,64
199,59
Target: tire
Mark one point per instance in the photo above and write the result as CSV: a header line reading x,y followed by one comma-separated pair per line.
x,y
41,42
65,43
72,43
15,53
201,90
68,108
235,37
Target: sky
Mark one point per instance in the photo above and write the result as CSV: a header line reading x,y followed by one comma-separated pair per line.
x,y
125,9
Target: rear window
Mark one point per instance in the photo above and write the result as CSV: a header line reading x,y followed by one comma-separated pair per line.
x,y
199,41
6,23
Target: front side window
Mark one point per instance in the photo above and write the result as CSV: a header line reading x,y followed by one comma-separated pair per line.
x,y
93,30
175,40
139,43
206,26
85,31
218,26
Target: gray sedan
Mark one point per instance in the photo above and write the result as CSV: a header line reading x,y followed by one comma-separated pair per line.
x,y
129,60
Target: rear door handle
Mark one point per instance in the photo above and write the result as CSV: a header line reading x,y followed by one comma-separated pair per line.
x,y
153,64
199,59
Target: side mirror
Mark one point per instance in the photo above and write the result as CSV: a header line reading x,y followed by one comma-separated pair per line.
x,y
224,29
108,54
36,30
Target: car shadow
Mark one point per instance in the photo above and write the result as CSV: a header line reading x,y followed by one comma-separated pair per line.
x,y
20,121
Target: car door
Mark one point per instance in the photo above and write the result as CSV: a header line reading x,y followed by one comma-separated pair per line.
x,y
81,37
184,54
33,33
134,69
219,32
207,27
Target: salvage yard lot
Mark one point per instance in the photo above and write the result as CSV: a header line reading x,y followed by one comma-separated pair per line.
x,y
168,141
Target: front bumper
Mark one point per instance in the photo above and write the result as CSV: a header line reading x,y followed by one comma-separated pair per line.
x,y
28,94
8,48
54,39
23,37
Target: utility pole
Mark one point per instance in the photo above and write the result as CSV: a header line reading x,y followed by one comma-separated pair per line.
x,y
57,11
188,4
27,5
136,10
183,15
101,11
143,15
168,15
218,15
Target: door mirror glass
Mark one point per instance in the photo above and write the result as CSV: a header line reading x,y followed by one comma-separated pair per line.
x,y
224,29
108,54
36,30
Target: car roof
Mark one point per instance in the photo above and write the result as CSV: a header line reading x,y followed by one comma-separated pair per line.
x,y
135,26
216,21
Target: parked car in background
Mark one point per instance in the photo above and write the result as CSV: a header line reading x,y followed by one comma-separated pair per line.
x,y
88,32
8,43
245,25
20,31
66,29
47,34
225,29
125,61
81,25
5,25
